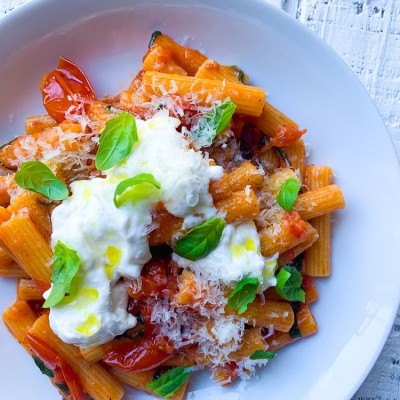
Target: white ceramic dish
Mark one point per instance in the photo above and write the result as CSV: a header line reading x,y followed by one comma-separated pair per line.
x,y
305,79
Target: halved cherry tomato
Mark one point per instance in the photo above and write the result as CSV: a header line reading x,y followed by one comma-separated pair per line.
x,y
42,350
72,381
53,361
297,226
64,87
137,355
153,279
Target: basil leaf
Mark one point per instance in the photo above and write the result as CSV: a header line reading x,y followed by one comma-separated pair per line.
x,y
262,355
240,72
37,177
213,123
169,382
63,388
243,294
288,193
153,38
200,240
43,369
65,266
288,285
116,141
135,189
282,155
295,332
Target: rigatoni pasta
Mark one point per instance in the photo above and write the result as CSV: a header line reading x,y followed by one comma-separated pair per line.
x,y
172,226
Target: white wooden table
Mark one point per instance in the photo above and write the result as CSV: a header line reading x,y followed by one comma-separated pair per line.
x,y
366,34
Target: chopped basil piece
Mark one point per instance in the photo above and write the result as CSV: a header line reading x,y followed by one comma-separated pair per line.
x,y
169,382
262,355
63,388
288,285
43,369
213,123
66,264
38,178
243,294
153,38
288,193
200,240
136,189
116,141
240,72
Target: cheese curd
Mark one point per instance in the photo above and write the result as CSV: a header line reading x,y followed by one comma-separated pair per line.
x,y
237,255
184,174
112,242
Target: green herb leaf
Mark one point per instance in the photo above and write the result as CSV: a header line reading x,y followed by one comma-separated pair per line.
x,y
135,189
262,355
243,294
153,38
169,382
116,141
65,266
282,155
288,193
37,177
295,332
43,369
63,388
200,240
213,123
240,72
288,285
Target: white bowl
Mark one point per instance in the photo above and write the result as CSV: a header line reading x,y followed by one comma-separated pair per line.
x,y
305,79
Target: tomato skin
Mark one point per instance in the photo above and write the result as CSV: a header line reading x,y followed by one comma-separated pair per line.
x,y
153,277
72,381
64,87
137,355
42,350
297,226
53,361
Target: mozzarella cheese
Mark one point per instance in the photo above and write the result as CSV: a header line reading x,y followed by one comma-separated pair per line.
x,y
112,242
238,255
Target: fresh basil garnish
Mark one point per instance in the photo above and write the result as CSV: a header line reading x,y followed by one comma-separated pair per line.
x,y
213,123
243,294
65,266
169,382
288,193
282,155
153,37
288,285
262,355
37,177
200,240
63,388
116,141
240,72
135,189
43,369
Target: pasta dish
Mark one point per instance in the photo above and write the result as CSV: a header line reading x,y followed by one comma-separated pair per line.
x,y
172,227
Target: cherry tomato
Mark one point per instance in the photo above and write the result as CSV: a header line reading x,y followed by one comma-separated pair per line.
x,y
64,87
286,135
42,350
153,279
137,355
72,381
297,226
53,361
